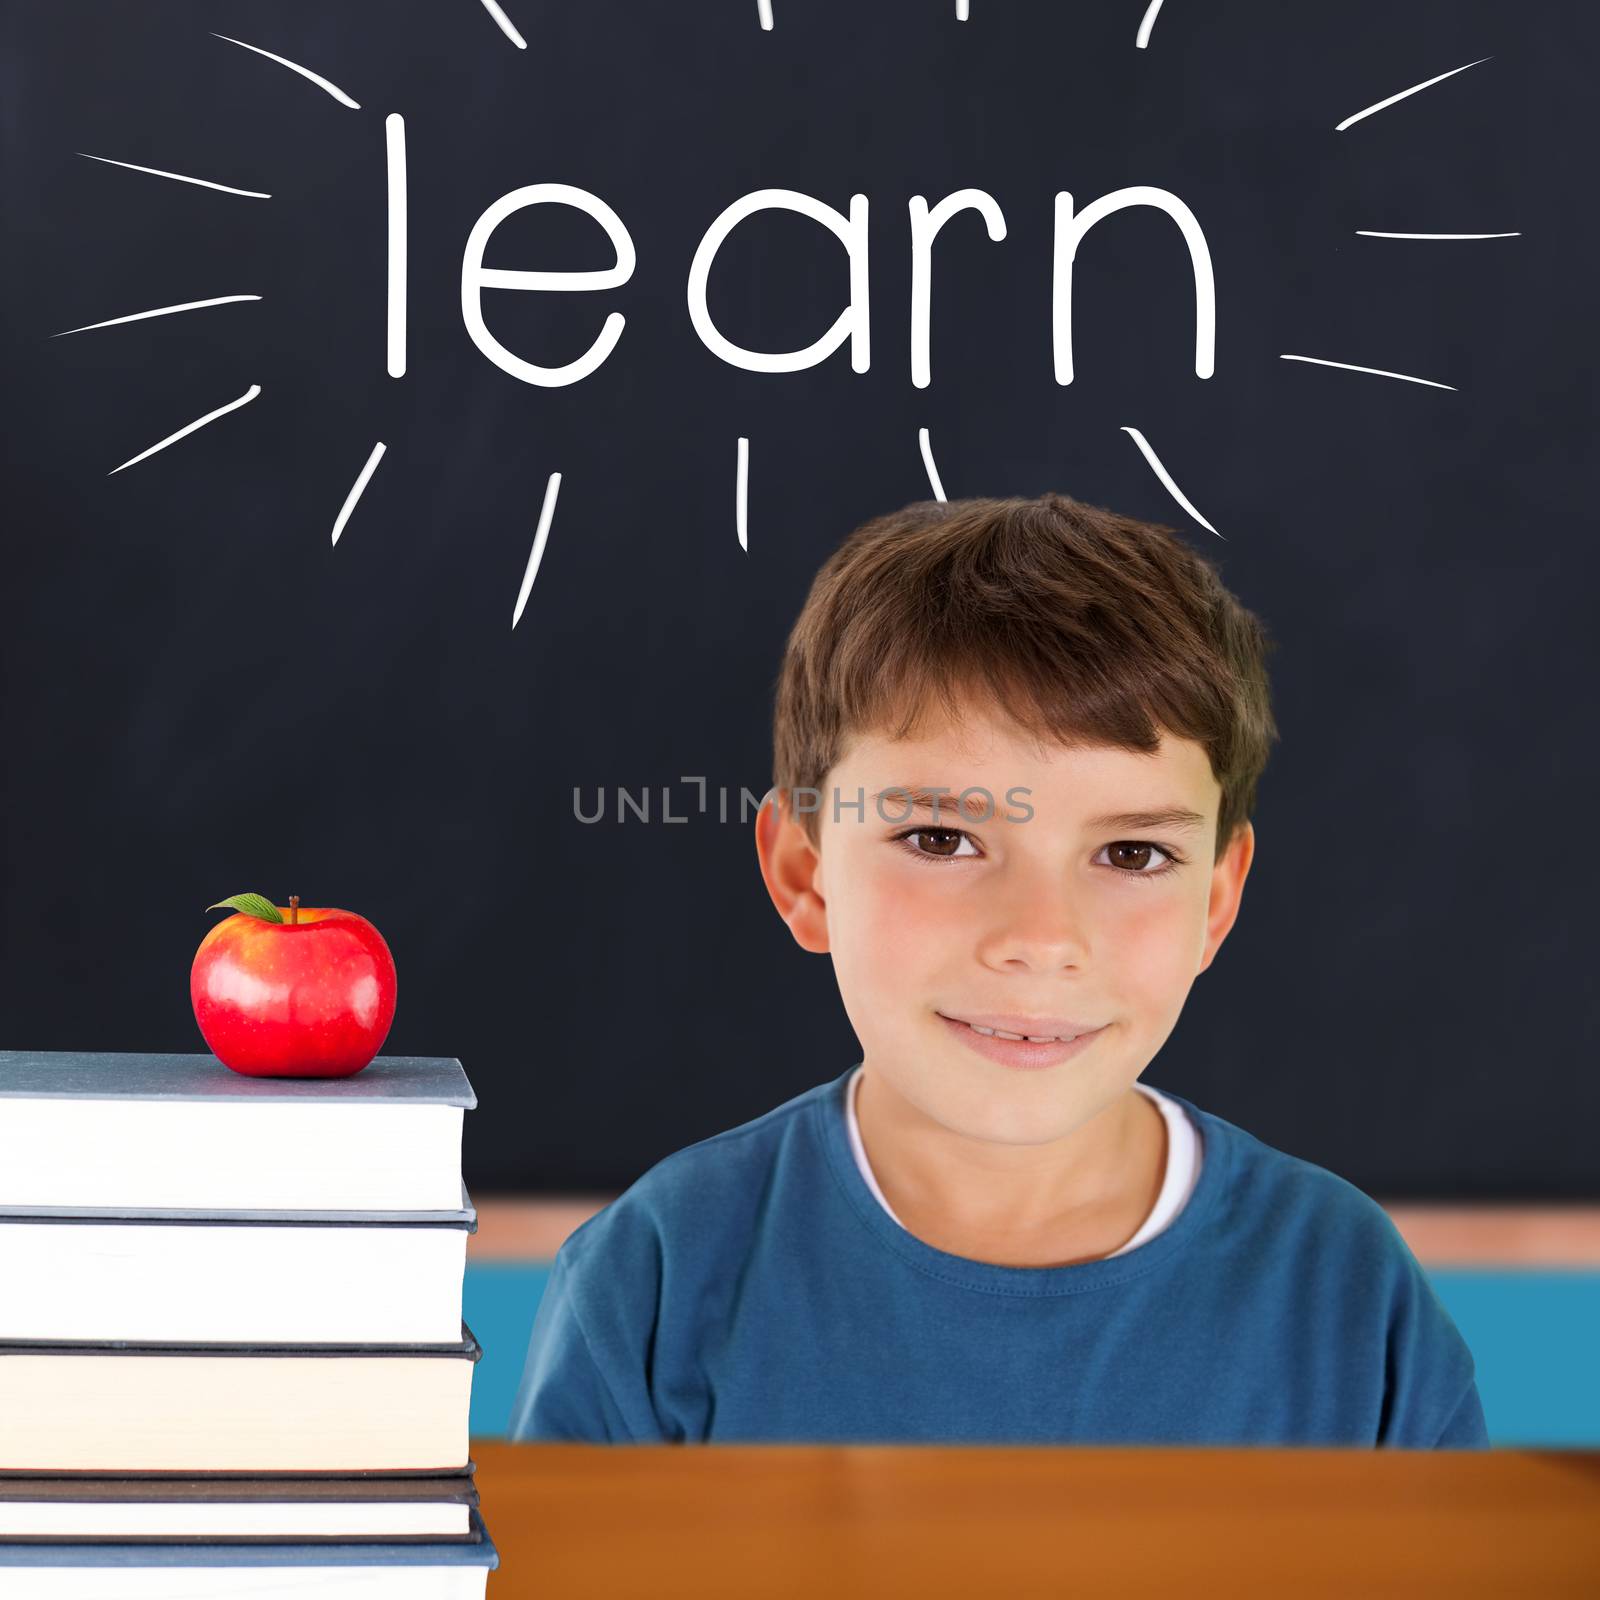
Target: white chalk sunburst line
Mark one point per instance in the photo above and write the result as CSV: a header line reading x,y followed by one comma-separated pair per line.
x,y
205,183
305,72
199,422
1377,372
741,495
159,311
927,461
536,555
1414,89
1146,23
504,23
1373,233
356,488
1166,477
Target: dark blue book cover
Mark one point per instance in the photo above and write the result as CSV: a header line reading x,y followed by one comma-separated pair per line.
x,y
198,1075
476,1551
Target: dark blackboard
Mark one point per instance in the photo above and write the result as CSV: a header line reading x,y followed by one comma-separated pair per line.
x,y
205,693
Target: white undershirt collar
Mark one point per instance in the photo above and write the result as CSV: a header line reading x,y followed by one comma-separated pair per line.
x,y
1183,1161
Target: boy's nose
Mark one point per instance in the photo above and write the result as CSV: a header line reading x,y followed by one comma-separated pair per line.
x,y
1040,923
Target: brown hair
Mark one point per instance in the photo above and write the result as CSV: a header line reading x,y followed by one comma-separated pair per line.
x,y
1080,626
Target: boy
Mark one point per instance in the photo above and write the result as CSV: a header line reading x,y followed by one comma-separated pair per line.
x,y
993,716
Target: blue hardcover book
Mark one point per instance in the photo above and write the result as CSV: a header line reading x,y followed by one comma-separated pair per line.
x,y
402,1570
129,1132
130,1510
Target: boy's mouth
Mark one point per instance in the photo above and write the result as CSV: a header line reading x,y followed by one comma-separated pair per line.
x,y
1035,1030
1010,1047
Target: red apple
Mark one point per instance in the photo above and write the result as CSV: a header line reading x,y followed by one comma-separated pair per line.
x,y
310,994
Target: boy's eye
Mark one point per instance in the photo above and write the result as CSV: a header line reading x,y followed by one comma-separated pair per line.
x,y
1141,849
948,842
949,839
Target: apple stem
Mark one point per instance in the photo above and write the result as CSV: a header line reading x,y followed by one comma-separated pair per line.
x,y
294,909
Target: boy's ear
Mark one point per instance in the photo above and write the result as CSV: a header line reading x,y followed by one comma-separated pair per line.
x,y
791,869
1227,885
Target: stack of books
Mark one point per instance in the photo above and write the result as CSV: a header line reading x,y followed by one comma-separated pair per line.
x,y
231,1331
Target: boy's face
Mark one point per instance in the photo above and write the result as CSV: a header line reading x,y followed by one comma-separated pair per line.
x,y
1055,916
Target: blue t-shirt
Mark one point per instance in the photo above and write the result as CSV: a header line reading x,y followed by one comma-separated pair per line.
x,y
751,1288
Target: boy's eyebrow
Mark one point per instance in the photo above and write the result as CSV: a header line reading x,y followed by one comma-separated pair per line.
x,y
1166,817
980,805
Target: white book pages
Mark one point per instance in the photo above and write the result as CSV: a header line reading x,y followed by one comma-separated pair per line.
x,y
230,1154
246,1583
208,1519
208,1283
131,1411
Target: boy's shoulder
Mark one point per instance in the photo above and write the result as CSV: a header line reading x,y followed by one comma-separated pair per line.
x,y
691,1191
1270,1199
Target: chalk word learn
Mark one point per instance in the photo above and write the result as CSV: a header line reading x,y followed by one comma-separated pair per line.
x,y
853,323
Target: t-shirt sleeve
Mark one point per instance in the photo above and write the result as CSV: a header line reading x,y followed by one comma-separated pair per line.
x,y
1466,1429
563,1393
1431,1397
586,1375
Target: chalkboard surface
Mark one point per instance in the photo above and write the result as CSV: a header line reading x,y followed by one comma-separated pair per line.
x,y
1332,320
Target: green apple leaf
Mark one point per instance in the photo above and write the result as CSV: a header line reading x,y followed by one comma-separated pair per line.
x,y
253,905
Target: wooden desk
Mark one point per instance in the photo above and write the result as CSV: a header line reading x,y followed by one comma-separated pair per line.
x,y
763,1521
